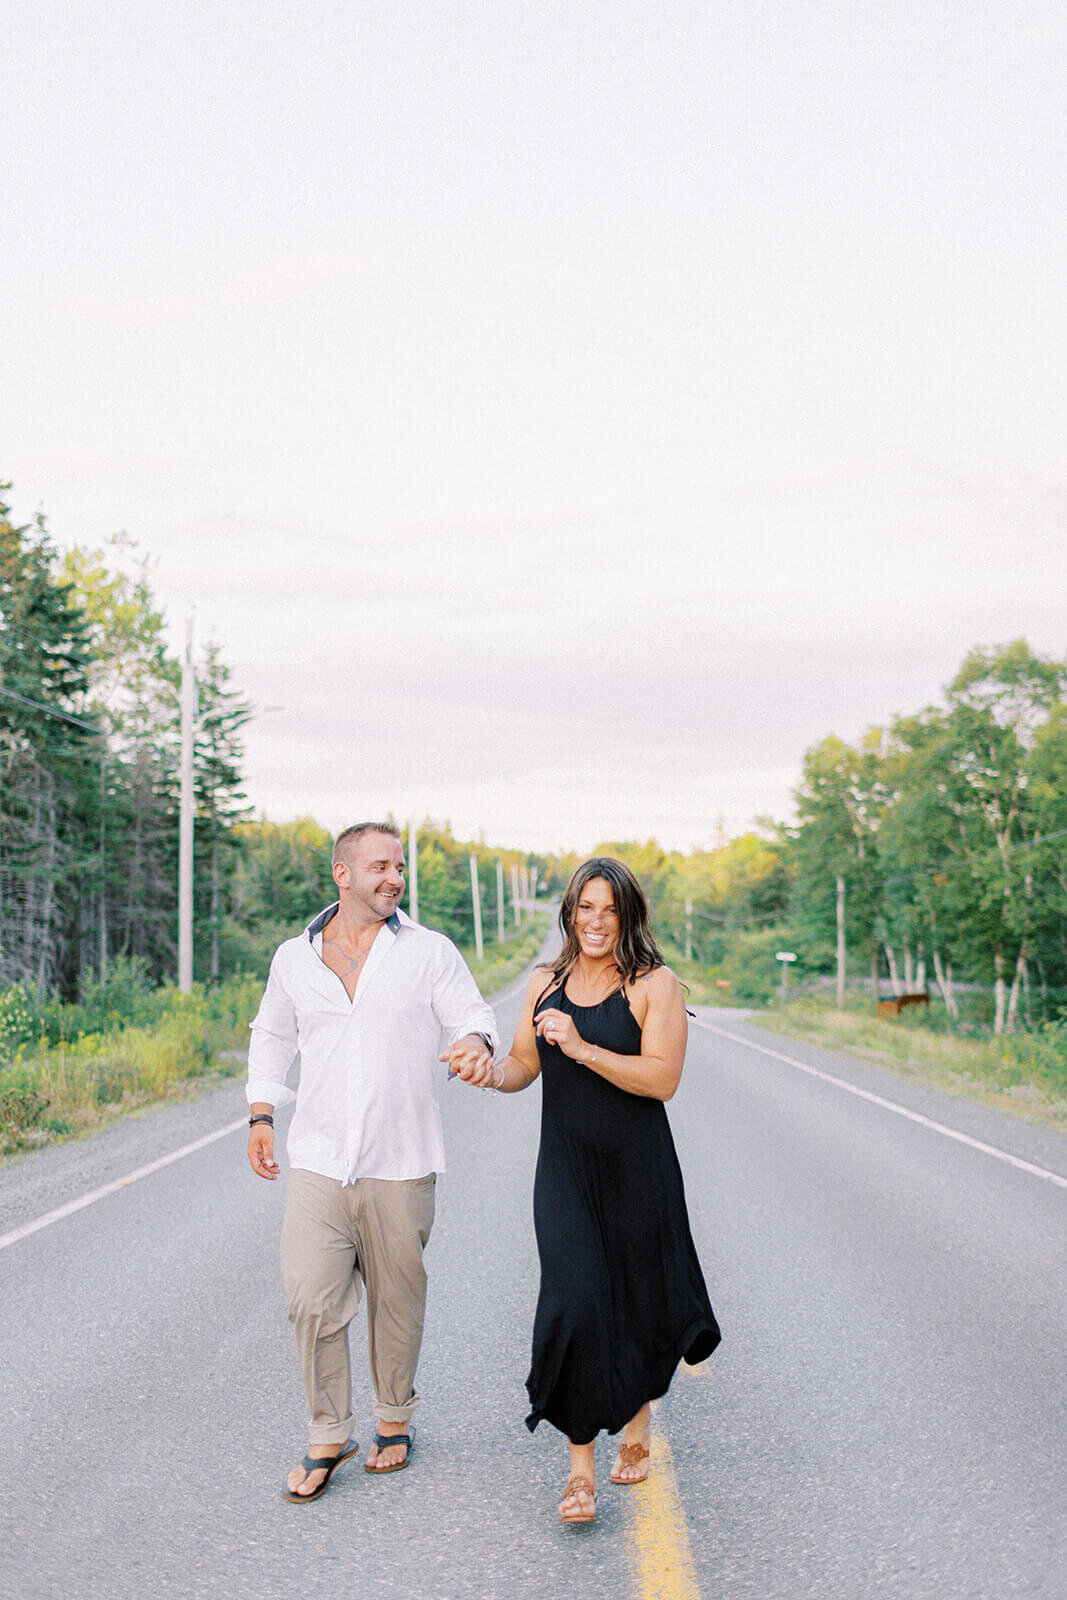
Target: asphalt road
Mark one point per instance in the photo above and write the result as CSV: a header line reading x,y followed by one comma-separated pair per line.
x,y
885,1416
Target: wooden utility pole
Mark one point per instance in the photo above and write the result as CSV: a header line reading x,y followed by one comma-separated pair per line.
x,y
515,893
500,902
840,943
476,902
185,819
102,925
413,871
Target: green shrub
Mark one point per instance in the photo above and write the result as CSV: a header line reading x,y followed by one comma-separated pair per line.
x,y
1039,1054
21,1115
20,1023
751,969
124,995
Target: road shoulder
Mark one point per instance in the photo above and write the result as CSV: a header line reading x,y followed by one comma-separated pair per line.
x,y
38,1181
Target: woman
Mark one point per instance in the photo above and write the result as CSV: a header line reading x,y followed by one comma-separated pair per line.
x,y
622,1296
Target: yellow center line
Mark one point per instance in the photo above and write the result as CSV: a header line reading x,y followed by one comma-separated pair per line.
x,y
656,1532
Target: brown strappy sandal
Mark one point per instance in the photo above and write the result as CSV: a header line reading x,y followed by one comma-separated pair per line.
x,y
577,1485
631,1455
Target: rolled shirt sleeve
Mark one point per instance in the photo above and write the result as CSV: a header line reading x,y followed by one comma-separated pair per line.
x,y
274,1044
457,1003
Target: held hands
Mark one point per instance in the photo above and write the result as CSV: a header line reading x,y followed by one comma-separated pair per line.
x,y
557,1027
470,1060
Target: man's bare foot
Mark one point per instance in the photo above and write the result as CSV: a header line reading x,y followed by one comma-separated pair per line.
x,y
303,1483
389,1457
631,1463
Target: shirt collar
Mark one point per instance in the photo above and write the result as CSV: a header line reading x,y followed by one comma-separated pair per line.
x,y
393,922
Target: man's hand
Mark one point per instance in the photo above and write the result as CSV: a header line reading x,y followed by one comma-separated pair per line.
x,y
469,1059
261,1145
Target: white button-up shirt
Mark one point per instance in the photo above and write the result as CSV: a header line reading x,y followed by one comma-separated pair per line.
x,y
366,1104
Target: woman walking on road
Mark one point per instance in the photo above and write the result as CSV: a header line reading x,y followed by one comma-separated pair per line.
x,y
622,1296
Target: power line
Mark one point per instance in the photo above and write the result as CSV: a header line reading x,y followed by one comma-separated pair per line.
x,y
962,861
51,711
28,633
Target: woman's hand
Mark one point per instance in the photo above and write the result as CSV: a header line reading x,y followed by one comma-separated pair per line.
x,y
469,1059
557,1027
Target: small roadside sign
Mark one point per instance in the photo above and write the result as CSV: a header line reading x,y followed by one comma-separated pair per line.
x,y
785,957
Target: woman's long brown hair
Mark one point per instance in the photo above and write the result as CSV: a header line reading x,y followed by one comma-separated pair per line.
x,y
636,951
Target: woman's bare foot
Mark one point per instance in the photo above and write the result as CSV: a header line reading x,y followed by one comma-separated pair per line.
x,y
579,1497
631,1463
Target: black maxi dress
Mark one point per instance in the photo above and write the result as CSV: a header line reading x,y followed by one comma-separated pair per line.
x,y
622,1296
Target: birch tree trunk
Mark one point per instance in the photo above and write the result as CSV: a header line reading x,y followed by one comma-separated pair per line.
x,y
944,983
893,977
1000,992
1016,988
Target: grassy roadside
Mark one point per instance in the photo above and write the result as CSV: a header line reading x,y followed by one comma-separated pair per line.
x,y
500,964
71,1070
1024,1073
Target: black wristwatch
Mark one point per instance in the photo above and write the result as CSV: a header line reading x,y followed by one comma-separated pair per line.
x,y
261,1118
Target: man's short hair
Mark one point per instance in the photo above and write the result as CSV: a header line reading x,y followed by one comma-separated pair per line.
x,y
356,831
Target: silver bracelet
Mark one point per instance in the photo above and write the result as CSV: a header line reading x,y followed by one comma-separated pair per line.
x,y
494,1087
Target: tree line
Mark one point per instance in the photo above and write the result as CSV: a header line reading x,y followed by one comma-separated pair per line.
x,y
947,829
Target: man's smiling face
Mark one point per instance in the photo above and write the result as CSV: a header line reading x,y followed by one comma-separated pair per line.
x,y
371,871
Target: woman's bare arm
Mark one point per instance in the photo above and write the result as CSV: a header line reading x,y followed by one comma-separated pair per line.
x,y
657,1071
518,1069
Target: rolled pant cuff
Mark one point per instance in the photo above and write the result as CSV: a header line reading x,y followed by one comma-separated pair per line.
x,y
330,1432
395,1413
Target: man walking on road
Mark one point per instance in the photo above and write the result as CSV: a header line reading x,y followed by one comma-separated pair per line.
x,y
364,995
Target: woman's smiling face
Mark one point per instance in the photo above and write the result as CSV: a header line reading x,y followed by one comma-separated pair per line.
x,y
596,922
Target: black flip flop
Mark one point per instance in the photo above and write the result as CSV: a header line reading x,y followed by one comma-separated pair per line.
x,y
383,1441
329,1464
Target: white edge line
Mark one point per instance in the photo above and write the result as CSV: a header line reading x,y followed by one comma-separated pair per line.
x,y
119,1183
887,1105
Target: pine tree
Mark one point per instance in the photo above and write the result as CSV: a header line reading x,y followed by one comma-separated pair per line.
x,y
48,758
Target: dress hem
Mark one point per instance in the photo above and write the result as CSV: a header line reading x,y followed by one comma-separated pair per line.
x,y
693,1341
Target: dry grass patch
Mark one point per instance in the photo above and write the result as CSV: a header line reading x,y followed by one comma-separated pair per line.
x,y
1024,1073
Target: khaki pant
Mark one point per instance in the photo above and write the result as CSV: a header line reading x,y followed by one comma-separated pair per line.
x,y
336,1238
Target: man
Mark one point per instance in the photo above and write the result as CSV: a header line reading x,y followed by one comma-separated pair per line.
x,y
364,995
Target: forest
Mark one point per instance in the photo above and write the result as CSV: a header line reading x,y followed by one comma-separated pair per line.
x,y
944,832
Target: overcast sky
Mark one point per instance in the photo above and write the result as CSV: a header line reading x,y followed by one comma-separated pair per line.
x,y
566,413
